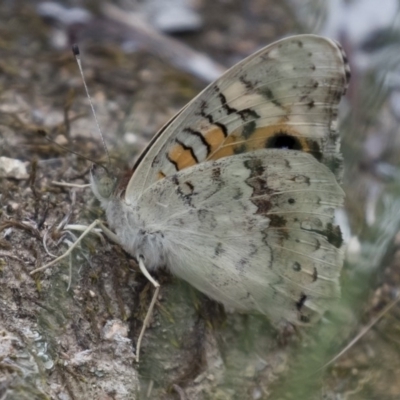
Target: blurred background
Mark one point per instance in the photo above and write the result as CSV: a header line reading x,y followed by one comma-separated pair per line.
x,y
70,331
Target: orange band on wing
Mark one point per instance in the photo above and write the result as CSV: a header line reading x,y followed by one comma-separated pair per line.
x,y
215,138
243,140
260,138
181,157
228,149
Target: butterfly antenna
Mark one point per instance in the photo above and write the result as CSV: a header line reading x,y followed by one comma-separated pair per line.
x,y
75,50
43,133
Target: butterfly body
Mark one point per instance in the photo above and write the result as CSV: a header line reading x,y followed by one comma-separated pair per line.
x,y
237,194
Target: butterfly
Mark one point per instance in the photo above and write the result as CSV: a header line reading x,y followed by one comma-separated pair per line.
x,y
237,193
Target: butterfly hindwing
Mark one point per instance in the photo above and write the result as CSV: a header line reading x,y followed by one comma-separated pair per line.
x,y
284,96
254,231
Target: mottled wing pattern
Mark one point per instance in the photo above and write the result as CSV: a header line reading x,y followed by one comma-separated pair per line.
x,y
253,231
284,96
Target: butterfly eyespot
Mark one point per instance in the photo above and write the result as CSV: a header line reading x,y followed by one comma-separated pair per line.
x,y
283,141
296,266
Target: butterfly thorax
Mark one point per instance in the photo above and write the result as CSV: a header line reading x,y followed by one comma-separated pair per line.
x,y
135,235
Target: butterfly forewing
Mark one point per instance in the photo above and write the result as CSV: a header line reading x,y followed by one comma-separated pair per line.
x,y
284,96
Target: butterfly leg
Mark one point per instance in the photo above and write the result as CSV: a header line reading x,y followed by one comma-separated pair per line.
x,y
112,236
88,230
152,303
